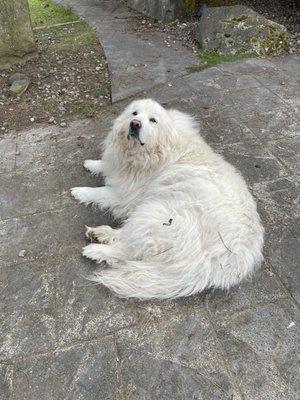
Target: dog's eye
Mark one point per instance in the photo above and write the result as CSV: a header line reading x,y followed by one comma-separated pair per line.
x,y
134,113
153,120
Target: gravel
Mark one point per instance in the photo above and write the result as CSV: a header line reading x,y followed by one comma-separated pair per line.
x,y
61,79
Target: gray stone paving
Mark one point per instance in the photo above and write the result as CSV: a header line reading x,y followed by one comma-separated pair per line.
x,y
65,338
136,63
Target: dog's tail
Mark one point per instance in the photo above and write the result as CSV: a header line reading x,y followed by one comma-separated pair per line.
x,y
149,280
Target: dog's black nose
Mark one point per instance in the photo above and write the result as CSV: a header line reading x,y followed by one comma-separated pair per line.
x,y
135,124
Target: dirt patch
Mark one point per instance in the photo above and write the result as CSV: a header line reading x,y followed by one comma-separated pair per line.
x,y
171,32
69,79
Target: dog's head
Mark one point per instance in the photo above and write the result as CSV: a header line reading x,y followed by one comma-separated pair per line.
x,y
143,123
148,133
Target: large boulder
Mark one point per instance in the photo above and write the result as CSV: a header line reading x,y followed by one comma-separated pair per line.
x,y
17,42
236,29
161,10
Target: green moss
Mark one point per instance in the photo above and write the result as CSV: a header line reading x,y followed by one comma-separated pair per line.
x,y
213,58
234,20
189,4
272,29
269,41
260,29
85,109
218,3
45,12
196,68
100,90
241,18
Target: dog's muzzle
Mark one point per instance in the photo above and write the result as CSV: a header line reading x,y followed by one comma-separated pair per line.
x,y
134,129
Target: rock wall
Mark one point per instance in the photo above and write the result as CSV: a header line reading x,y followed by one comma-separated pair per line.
x,y
16,37
161,10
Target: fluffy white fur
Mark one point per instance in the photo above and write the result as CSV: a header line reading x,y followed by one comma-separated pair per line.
x,y
189,220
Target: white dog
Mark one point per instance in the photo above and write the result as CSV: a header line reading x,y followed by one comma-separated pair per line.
x,y
189,220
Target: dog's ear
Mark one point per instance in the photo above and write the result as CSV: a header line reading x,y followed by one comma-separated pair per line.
x,y
183,123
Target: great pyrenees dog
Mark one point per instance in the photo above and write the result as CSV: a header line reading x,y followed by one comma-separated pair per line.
x,y
189,220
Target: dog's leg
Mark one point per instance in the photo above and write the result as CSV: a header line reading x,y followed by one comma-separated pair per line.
x,y
102,196
103,234
102,252
94,166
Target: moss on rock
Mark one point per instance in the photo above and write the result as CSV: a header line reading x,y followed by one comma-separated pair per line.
x,y
189,5
230,30
269,41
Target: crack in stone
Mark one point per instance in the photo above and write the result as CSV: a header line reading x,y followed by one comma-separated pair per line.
x,y
67,346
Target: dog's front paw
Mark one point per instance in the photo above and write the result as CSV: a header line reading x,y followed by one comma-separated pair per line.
x,y
91,234
83,194
102,234
93,252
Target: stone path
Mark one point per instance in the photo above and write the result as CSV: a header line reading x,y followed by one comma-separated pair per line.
x,y
64,338
136,63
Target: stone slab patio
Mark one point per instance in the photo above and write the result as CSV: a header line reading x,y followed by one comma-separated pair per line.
x,y
65,338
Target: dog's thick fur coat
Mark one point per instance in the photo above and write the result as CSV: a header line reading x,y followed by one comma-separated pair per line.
x,y
189,220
